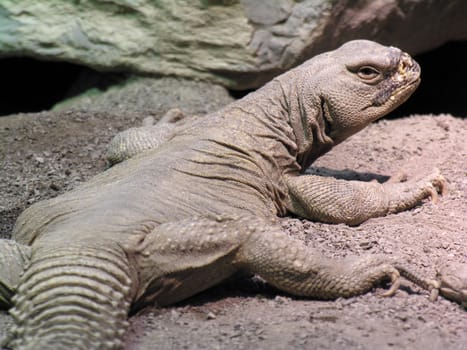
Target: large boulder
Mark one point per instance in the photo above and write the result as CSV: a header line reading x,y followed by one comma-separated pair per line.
x,y
240,44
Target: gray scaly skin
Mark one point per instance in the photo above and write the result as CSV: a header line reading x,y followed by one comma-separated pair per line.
x,y
130,142
203,203
453,282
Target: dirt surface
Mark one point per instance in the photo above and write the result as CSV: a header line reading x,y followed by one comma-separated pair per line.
x,y
45,154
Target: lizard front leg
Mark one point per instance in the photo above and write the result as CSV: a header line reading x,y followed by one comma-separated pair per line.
x,y
352,202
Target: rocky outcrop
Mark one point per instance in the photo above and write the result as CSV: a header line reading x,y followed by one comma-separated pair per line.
x,y
151,95
240,44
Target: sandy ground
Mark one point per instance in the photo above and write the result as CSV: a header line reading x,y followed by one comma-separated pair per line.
x,y
45,154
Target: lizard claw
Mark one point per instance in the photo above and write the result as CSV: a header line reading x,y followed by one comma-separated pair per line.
x,y
400,176
433,193
435,184
441,185
439,182
395,284
434,291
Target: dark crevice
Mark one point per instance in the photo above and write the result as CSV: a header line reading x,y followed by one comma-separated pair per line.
x,y
30,85
238,94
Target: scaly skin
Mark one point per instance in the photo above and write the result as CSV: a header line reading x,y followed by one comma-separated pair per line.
x,y
201,201
453,282
136,140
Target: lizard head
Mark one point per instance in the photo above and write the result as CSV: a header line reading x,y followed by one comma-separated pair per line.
x,y
344,90
371,81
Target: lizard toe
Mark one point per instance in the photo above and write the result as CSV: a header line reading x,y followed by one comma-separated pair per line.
x,y
438,181
441,185
453,282
400,176
395,284
435,184
432,193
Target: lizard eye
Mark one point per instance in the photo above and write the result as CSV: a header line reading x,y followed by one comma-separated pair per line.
x,y
368,73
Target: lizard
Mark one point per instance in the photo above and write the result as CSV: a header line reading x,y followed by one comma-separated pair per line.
x,y
174,218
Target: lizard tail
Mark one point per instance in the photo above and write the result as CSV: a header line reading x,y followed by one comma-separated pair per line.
x,y
72,297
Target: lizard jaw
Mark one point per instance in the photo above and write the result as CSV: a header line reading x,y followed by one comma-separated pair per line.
x,y
411,86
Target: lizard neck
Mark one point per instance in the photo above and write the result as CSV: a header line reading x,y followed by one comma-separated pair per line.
x,y
263,119
264,114
306,115
289,110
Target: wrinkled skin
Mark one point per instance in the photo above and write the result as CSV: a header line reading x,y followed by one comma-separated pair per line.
x,y
200,204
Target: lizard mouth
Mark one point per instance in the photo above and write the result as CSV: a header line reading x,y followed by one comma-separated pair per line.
x,y
397,89
404,88
406,78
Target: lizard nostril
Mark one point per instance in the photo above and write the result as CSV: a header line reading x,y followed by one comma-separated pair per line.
x,y
405,64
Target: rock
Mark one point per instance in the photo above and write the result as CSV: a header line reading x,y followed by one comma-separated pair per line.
x,y
238,43
152,95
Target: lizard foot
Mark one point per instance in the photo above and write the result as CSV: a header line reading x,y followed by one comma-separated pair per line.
x,y
453,282
435,184
400,176
406,195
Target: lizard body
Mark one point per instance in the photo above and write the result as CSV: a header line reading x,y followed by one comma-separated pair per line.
x,y
201,202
